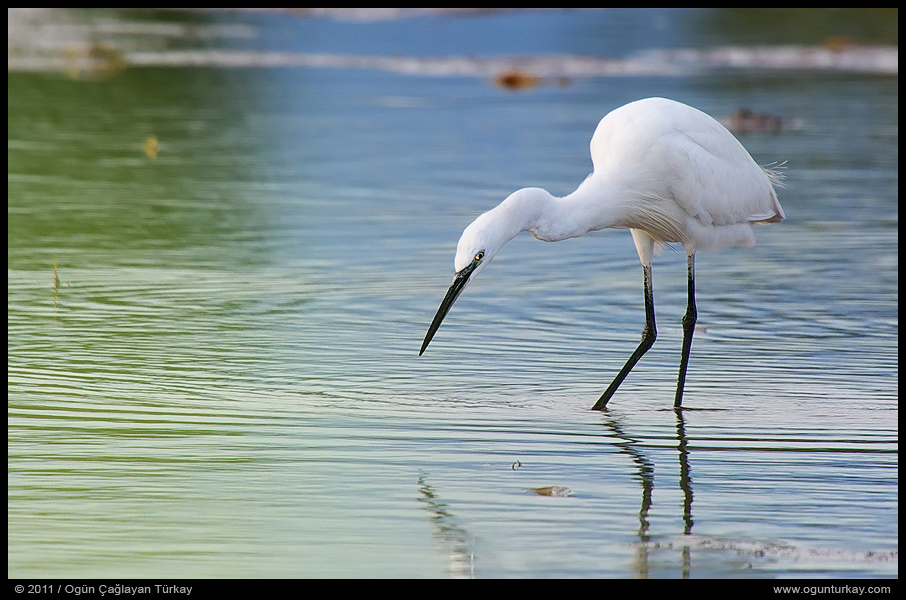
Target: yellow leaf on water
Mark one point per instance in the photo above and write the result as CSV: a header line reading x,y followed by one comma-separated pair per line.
x,y
151,146
552,490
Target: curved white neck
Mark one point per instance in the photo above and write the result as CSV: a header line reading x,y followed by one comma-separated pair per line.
x,y
552,219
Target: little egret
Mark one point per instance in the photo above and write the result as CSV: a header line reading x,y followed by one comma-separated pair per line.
x,y
665,171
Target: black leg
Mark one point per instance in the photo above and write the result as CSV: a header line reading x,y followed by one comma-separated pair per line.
x,y
688,329
649,334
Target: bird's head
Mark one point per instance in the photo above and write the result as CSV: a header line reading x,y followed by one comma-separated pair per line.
x,y
479,243
484,237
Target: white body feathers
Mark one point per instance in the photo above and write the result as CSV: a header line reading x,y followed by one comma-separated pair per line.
x,y
663,169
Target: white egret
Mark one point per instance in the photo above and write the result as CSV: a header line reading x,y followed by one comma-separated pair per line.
x,y
665,171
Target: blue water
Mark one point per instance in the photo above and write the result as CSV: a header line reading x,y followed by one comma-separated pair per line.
x,y
213,353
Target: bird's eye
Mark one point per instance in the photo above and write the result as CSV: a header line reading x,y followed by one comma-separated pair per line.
x,y
479,255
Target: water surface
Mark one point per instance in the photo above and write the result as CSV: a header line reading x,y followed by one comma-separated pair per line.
x,y
213,337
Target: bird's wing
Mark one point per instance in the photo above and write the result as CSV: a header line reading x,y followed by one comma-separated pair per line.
x,y
714,179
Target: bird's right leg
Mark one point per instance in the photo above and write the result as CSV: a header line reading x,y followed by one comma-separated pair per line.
x,y
649,334
689,320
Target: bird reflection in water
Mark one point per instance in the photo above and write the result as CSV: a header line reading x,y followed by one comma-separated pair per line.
x,y
448,532
634,448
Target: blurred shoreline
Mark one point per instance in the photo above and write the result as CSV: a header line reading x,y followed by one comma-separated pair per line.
x,y
48,40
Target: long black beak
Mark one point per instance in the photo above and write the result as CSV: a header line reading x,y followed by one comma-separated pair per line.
x,y
456,288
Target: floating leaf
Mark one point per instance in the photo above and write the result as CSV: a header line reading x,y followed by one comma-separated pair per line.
x,y
551,490
151,146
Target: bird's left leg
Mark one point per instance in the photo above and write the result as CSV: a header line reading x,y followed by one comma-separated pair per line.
x,y
649,334
689,320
